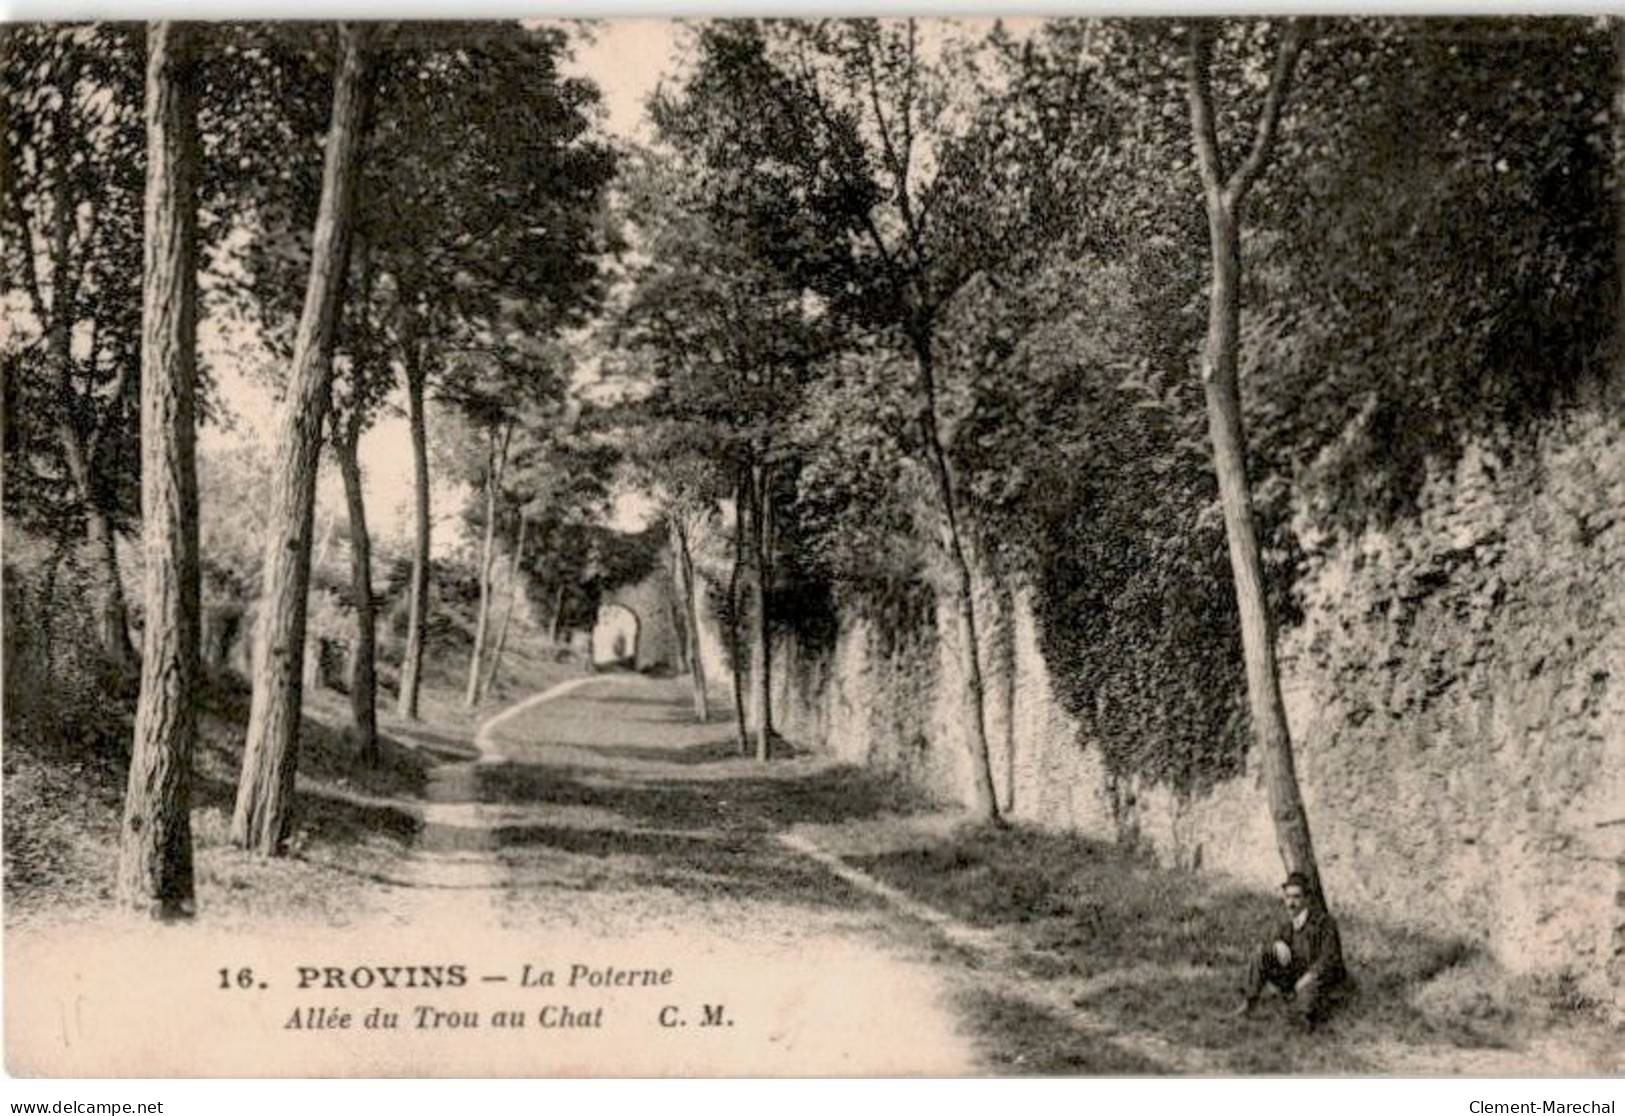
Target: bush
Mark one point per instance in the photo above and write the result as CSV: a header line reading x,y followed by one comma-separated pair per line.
x,y
68,714
62,692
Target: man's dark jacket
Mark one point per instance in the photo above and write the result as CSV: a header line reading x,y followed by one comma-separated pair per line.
x,y
1316,948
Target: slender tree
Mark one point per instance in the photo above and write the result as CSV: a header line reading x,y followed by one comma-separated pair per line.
x,y
367,380
870,173
1224,191
264,794
515,566
510,394
363,666
727,347
558,485
71,180
411,677
477,130
736,644
498,438
360,393
682,521
762,531
155,847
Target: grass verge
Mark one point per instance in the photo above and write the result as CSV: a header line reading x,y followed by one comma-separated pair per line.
x,y
1162,951
64,793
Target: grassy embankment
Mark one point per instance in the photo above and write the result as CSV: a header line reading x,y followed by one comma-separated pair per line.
x,y
66,759
1159,951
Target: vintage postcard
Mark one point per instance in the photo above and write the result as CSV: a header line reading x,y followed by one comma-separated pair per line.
x,y
815,547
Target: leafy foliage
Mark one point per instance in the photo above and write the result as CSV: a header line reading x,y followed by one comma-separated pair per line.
x,y
1429,258
1439,259
73,184
480,225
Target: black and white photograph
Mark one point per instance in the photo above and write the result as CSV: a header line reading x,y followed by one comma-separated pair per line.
x,y
999,545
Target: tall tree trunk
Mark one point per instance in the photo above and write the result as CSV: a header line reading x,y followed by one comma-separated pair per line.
x,y
514,567
1010,665
363,681
984,804
679,626
1223,196
476,659
114,611
696,657
265,791
155,845
1268,712
736,661
78,445
411,681
496,460
558,616
674,608
683,561
762,668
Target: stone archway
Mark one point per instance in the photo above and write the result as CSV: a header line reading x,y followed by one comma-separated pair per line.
x,y
615,636
655,645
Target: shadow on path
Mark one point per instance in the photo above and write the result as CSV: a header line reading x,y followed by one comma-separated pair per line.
x,y
615,787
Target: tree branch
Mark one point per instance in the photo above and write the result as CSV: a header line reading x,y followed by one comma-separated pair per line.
x,y
911,76
913,223
874,99
832,129
115,398
1286,60
899,159
81,265
26,242
1199,90
62,289
896,162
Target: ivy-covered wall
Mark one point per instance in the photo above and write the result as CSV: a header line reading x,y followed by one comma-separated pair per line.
x,y
1459,691
1456,688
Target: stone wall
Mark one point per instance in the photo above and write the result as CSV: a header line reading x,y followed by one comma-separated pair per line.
x,y
1457,699
650,600
1459,690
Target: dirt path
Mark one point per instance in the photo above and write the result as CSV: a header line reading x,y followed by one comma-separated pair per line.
x,y
599,811
455,873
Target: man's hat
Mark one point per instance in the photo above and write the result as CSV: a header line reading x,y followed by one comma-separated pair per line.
x,y
1297,880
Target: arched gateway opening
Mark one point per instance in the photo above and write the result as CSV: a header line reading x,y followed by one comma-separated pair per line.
x,y
615,638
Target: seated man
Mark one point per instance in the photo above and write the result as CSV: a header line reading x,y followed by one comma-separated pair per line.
x,y
1304,960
